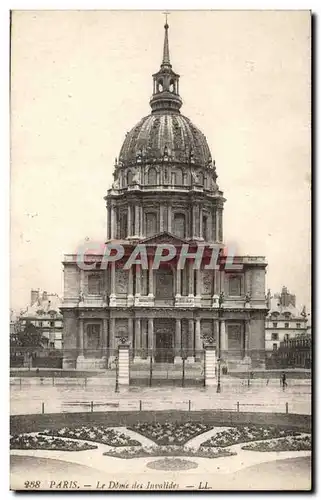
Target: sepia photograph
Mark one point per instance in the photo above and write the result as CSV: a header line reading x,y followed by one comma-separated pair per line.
x,y
160,250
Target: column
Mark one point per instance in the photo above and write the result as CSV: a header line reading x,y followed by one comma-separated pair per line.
x,y
216,225
104,343
224,343
150,279
138,280
130,332
137,217
201,221
198,340
190,353
169,218
112,341
112,297
137,338
82,283
178,282
190,279
161,218
198,286
215,334
141,220
178,341
113,223
220,228
81,337
107,221
194,222
151,337
129,221
130,291
247,330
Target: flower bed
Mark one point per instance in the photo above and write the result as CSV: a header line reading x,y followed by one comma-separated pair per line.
x,y
246,434
40,442
98,434
290,443
171,433
168,451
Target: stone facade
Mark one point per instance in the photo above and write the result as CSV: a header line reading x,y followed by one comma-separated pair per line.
x,y
164,192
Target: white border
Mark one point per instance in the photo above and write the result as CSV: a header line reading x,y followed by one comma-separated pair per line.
x,y
314,6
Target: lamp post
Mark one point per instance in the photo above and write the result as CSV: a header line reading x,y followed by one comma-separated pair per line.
x,y
117,375
220,306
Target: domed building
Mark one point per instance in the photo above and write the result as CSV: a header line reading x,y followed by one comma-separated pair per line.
x,y
165,192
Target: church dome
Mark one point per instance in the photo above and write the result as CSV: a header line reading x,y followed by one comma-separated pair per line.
x,y
165,134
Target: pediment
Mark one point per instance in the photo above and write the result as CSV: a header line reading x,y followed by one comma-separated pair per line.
x,y
164,237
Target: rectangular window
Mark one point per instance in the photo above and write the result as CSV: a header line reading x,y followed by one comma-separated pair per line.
x,y
235,286
286,336
275,325
52,324
298,325
93,336
275,346
275,336
286,325
94,284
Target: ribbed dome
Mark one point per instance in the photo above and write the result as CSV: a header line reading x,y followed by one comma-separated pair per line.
x,y
165,134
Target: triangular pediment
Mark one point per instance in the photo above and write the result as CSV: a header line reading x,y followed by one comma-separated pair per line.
x,y
164,237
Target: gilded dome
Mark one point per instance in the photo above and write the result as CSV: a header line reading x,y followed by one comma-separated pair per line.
x,y
165,134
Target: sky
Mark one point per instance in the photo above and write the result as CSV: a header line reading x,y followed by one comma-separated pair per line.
x,y
81,79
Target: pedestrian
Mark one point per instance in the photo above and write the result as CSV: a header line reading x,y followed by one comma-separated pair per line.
x,y
267,381
284,383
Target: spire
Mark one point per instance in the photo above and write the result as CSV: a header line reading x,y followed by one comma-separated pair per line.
x,y
166,60
165,83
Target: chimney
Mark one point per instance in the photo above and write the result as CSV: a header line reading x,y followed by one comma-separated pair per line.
x,y
34,297
44,296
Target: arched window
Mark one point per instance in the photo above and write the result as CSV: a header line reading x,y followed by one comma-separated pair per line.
x,y
152,176
151,224
179,177
179,225
172,86
205,227
129,177
201,179
160,86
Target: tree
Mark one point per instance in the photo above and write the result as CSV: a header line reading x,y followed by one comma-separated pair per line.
x,y
29,339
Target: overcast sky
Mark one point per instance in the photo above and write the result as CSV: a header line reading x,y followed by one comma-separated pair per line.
x,y
82,79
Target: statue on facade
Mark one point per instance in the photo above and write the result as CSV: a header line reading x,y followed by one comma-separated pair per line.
x,y
116,184
268,299
304,312
248,298
195,177
221,299
136,176
81,296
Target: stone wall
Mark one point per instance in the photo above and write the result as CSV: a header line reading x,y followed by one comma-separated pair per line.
x,y
71,281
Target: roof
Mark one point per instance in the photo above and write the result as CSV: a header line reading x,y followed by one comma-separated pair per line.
x,y
43,308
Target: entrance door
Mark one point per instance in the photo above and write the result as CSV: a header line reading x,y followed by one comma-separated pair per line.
x,y
164,347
